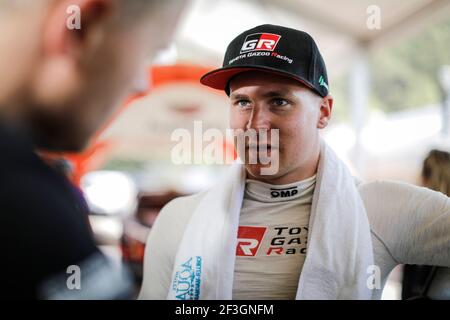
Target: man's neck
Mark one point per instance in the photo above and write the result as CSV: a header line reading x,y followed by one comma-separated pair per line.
x,y
292,176
295,175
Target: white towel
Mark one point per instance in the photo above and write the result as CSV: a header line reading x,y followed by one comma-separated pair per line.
x,y
339,249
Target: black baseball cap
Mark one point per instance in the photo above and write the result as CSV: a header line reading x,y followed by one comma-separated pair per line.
x,y
274,49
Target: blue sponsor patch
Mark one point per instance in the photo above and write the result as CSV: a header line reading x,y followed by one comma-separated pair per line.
x,y
186,283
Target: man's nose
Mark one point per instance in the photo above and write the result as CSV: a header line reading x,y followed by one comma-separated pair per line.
x,y
259,119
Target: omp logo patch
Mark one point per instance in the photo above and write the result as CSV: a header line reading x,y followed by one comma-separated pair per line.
x,y
283,193
260,42
249,240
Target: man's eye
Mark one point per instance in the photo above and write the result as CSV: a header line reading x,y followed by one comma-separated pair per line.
x,y
243,103
279,102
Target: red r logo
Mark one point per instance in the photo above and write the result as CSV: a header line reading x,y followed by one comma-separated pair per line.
x,y
249,240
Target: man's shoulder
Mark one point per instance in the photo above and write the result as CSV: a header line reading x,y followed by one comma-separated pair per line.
x,y
385,200
31,182
24,174
387,187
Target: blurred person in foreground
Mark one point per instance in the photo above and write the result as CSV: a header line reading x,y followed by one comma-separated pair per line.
x,y
59,84
430,281
298,226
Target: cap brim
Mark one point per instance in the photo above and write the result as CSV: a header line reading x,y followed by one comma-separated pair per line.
x,y
220,78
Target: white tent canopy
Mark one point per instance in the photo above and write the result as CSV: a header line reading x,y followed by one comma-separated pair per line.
x,y
339,26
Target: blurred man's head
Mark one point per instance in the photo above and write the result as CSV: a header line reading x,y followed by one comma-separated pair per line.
x,y
62,83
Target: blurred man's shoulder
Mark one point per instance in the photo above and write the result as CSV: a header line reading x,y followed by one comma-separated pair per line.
x,y
40,215
22,171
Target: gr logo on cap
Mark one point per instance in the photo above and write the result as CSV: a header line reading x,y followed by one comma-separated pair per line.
x,y
260,41
274,49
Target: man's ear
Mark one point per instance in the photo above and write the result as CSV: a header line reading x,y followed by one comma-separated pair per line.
x,y
68,47
326,107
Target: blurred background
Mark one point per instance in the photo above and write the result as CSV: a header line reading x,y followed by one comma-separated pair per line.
x,y
389,69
